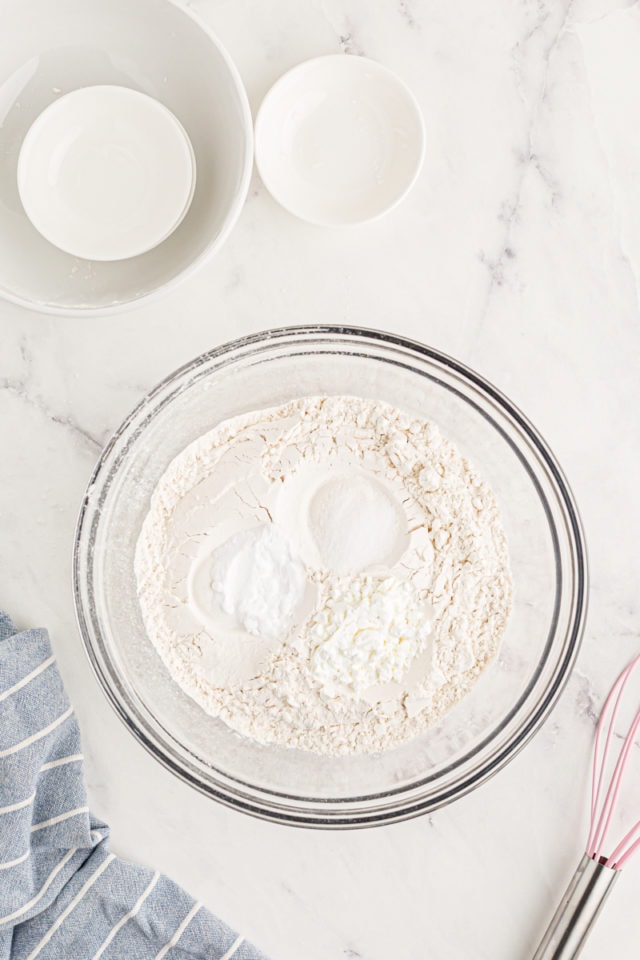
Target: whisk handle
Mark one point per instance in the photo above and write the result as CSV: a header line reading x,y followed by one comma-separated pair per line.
x,y
577,911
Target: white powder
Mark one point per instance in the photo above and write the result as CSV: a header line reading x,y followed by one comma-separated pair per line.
x,y
258,580
355,523
368,632
385,557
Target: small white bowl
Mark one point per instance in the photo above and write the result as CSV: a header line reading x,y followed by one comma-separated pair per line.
x,y
339,140
106,173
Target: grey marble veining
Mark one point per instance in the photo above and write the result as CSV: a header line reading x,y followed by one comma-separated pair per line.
x,y
518,252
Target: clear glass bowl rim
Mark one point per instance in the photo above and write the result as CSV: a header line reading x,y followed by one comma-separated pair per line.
x,y
303,814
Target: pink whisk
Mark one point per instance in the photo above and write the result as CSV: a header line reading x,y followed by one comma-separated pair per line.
x,y
590,885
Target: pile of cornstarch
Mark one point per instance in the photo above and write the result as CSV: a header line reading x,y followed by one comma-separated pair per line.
x,y
330,574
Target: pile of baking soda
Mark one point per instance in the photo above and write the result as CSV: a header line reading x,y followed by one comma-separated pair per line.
x,y
330,574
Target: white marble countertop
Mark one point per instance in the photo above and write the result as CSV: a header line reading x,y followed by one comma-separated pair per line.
x,y
519,253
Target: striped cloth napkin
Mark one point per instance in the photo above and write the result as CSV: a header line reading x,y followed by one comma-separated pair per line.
x,y
63,895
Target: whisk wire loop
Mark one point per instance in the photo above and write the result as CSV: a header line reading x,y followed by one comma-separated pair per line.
x,y
601,822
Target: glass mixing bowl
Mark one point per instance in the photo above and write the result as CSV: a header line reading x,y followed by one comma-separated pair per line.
x,y
513,695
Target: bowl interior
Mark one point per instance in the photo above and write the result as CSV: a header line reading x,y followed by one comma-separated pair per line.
x,y
106,173
151,46
472,740
339,140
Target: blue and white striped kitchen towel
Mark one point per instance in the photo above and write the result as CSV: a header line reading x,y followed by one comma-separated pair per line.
x,y
63,895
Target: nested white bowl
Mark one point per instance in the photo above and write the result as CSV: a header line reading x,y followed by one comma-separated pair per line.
x,y
153,46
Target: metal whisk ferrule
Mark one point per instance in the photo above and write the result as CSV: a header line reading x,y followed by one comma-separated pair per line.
x,y
590,885
577,911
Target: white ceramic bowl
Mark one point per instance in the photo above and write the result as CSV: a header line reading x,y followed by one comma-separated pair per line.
x,y
106,173
339,140
157,48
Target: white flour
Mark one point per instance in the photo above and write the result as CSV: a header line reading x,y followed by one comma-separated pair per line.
x,y
407,587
